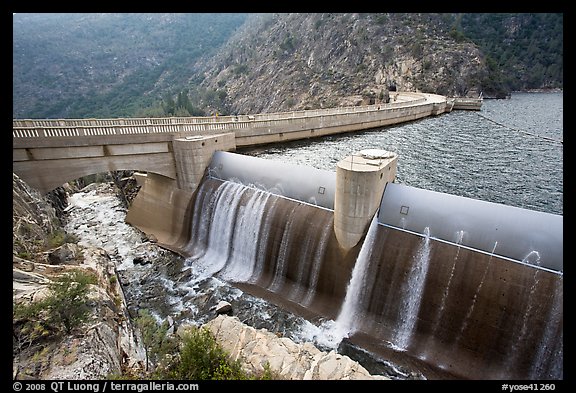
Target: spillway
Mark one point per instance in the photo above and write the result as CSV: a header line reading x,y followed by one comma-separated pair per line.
x,y
451,286
452,310
277,247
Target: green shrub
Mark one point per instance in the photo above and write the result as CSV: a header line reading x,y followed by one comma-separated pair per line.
x,y
63,309
60,237
195,356
156,343
202,358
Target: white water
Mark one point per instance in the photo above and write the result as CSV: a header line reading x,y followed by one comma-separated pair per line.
x,y
201,221
247,235
97,218
216,254
345,322
412,294
233,229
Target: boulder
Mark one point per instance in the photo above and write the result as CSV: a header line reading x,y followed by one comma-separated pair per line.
x,y
66,254
286,359
223,307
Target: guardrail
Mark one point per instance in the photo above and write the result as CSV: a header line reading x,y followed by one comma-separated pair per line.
x,y
45,128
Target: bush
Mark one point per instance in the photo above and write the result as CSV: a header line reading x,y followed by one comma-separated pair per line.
x,y
63,309
59,238
195,356
199,356
156,343
202,358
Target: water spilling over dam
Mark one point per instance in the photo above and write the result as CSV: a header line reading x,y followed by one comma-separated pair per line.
x,y
445,284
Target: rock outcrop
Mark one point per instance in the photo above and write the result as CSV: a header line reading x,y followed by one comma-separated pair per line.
x,y
295,61
33,219
106,343
103,346
286,359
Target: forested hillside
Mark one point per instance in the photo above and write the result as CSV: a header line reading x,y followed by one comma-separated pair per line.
x,y
107,65
523,51
114,65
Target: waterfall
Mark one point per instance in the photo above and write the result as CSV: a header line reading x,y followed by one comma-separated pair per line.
x,y
215,256
411,294
350,310
241,235
547,357
247,236
201,222
227,232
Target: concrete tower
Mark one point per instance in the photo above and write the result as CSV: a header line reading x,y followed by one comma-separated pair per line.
x,y
360,182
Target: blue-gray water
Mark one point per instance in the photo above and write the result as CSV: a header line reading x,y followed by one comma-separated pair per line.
x,y
508,152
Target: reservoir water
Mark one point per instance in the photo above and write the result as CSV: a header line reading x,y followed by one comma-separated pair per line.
x,y
509,152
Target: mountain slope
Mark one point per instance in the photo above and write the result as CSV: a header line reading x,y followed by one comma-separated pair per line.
x,y
525,49
114,65
99,65
297,61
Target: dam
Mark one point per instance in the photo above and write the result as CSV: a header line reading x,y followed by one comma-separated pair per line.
x,y
452,286
455,287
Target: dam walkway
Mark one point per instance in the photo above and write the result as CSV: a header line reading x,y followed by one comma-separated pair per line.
x,y
50,152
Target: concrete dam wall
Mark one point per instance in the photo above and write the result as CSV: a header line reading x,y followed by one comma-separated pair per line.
x,y
451,286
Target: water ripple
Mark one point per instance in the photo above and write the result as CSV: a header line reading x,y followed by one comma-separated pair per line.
x,y
462,152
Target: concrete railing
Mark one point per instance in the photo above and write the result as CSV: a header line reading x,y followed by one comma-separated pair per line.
x,y
49,152
46,128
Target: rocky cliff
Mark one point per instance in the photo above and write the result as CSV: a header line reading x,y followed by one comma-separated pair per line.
x,y
285,62
46,345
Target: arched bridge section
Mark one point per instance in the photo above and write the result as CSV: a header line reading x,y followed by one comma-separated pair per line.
x,y
46,163
50,152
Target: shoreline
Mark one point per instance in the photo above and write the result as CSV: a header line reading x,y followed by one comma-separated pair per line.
x,y
547,90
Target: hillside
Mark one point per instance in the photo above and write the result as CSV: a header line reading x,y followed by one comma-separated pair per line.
x,y
107,65
299,61
113,65
523,51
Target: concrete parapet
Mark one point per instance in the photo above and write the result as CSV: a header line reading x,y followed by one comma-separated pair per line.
x,y
360,182
192,154
49,152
